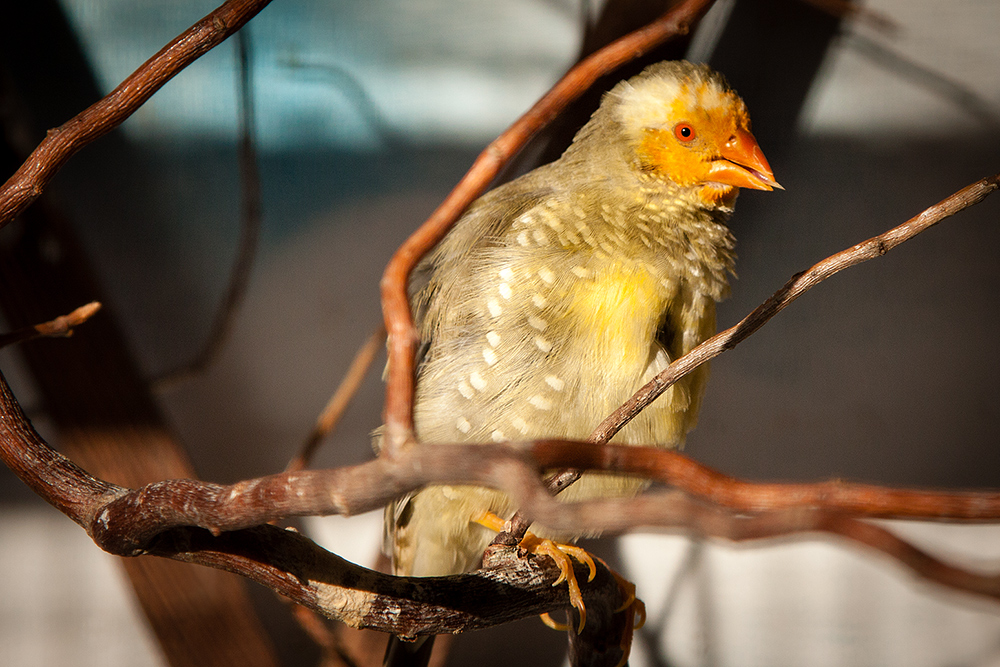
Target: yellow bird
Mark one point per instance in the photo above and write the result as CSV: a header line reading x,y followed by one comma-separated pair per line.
x,y
556,296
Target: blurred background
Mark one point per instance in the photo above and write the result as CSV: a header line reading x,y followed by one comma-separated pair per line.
x,y
365,115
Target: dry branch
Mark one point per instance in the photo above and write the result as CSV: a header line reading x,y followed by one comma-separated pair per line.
x,y
220,526
682,472
183,520
203,523
61,326
63,142
793,289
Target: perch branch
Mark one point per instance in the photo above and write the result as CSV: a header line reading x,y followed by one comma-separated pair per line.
x,y
510,588
214,525
398,416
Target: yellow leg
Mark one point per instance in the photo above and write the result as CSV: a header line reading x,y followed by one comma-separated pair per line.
x,y
562,554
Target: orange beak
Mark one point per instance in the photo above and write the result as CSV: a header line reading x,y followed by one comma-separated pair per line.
x,y
742,164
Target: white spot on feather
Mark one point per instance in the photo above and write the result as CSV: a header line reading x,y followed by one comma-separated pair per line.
x,y
477,380
540,402
537,323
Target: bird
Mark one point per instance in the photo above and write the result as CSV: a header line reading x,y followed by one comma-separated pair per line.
x,y
557,295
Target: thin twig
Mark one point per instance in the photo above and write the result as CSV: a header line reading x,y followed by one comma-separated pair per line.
x,y
63,142
250,215
61,326
700,481
793,289
398,415
335,407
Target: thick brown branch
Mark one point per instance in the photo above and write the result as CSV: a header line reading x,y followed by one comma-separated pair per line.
x,y
506,589
97,120
128,523
398,414
170,519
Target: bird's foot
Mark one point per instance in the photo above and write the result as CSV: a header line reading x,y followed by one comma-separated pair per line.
x,y
563,555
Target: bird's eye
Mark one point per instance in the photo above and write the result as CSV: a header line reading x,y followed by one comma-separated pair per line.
x,y
684,132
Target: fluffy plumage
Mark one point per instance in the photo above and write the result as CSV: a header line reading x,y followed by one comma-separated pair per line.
x,y
559,294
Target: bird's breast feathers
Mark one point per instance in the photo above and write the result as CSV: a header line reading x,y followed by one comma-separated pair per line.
x,y
559,316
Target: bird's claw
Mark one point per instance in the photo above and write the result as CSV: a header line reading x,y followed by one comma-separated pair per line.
x,y
563,555
637,606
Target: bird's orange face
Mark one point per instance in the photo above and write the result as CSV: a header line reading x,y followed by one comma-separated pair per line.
x,y
707,143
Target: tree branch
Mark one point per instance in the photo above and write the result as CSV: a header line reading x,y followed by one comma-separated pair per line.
x,y
63,142
792,290
214,525
61,326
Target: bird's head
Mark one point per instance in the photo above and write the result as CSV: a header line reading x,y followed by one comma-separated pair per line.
x,y
686,125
